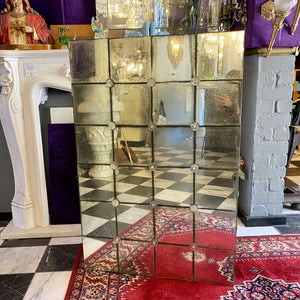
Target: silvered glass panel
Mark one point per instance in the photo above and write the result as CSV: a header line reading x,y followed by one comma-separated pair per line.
x,y
218,103
214,266
173,146
173,104
173,261
175,53
130,59
92,104
216,58
140,264
218,147
174,187
217,189
89,61
135,100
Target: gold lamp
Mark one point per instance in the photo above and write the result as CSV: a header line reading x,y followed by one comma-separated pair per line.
x,y
296,19
280,10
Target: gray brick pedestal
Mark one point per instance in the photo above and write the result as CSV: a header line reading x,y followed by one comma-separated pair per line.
x,y
266,108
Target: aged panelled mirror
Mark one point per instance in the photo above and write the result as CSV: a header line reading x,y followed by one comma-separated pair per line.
x,y
157,128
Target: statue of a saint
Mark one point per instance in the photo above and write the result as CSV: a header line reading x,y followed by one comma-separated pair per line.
x,y
21,24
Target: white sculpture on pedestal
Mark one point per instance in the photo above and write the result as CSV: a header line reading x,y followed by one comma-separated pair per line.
x,y
97,110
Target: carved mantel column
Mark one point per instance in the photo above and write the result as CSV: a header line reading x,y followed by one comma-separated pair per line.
x,y
24,76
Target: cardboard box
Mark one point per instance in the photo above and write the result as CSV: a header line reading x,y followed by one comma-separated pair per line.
x,y
73,32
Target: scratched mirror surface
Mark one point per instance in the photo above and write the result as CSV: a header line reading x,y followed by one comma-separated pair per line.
x,y
157,133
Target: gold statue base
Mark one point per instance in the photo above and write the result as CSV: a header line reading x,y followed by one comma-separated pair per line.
x,y
27,47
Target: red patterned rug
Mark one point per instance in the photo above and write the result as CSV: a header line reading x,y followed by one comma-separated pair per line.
x,y
266,268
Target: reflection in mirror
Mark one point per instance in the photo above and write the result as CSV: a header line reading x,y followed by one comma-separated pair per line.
x,y
92,245
213,265
132,146
217,189
94,145
134,185
173,104
104,259
89,61
129,220
136,100
130,59
174,187
141,263
174,53
182,217
215,229
90,107
173,146
174,262
218,103
218,147
215,58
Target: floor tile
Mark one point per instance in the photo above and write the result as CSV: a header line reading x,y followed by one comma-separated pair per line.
x,y
90,223
218,191
133,180
133,198
86,204
66,240
133,214
171,176
91,245
97,195
209,201
222,182
229,204
58,258
288,229
19,260
141,191
14,287
172,195
256,231
48,286
26,242
94,183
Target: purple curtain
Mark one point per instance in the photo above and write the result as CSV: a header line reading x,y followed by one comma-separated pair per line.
x,y
63,11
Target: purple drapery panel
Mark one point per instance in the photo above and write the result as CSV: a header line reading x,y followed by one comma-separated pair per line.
x,y
259,30
63,11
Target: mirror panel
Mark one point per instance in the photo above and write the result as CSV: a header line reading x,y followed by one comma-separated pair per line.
x,y
216,58
173,104
142,264
218,103
135,100
89,61
175,187
214,266
173,146
174,261
175,53
90,108
130,59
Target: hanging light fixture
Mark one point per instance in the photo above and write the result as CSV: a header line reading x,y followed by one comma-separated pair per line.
x,y
233,11
278,12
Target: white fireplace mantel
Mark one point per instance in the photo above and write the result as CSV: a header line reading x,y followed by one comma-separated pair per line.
x,y
24,77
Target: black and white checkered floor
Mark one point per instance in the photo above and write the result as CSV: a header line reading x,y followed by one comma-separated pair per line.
x,y
214,189
36,268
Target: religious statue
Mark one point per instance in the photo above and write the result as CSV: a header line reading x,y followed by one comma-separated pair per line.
x,y
21,24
